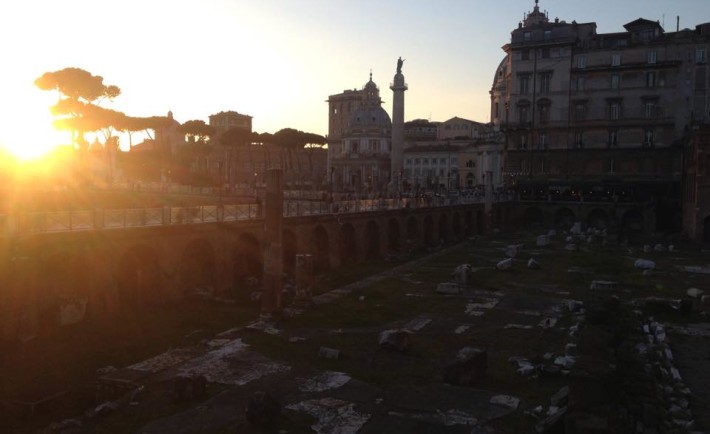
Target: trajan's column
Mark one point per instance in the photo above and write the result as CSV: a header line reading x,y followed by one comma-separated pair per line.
x,y
398,87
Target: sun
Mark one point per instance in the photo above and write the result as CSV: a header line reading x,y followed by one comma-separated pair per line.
x,y
27,130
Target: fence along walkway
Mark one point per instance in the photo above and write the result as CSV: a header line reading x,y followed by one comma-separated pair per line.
x,y
101,219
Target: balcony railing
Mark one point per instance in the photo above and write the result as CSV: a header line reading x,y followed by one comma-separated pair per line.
x,y
112,219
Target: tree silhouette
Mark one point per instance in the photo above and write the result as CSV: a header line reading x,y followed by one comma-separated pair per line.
x,y
80,92
236,137
197,131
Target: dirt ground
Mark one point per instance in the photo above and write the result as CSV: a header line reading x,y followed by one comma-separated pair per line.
x,y
327,371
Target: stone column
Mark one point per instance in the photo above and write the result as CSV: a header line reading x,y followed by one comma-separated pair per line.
x,y
396,155
273,256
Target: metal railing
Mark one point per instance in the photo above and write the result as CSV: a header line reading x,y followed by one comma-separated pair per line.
x,y
107,219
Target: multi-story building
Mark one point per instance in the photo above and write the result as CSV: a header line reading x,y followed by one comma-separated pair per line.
x,y
224,121
458,128
433,166
696,191
359,141
600,114
420,130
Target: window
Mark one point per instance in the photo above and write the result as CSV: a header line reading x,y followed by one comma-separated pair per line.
x,y
524,84
700,55
547,35
470,163
613,138
354,146
408,162
580,111
523,142
425,162
651,57
544,110
615,59
614,110
579,83
374,145
525,54
527,36
651,79
523,113
542,140
649,109
454,161
545,83
612,166
442,161
615,80
545,52
581,62
416,161
648,137
496,112
578,140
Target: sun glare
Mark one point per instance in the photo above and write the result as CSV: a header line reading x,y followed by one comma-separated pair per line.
x,y
28,132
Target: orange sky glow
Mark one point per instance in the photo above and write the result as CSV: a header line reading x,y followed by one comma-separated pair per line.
x,y
276,60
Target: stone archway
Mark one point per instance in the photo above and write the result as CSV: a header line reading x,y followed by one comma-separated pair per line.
x,y
65,285
469,223
564,218
348,244
393,236
533,217
443,228
456,224
138,277
428,231
198,267
372,241
598,219
412,229
248,260
289,245
632,224
320,249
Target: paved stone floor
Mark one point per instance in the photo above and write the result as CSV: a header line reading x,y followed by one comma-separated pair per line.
x,y
520,317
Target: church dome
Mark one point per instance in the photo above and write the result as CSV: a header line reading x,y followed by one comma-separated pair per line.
x,y
370,117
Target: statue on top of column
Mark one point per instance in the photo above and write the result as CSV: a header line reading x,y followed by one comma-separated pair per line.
x,y
399,65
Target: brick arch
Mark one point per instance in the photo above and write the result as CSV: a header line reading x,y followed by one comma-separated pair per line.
x,y
443,227
372,240
469,223
198,267
564,217
412,229
138,277
456,224
319,247
348,244
428,231
289,243
533,216
598,218
247,261
64,279
393,235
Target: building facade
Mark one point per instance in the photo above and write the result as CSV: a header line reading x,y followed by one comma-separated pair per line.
x,y
607,115
225,121
696,191
359,141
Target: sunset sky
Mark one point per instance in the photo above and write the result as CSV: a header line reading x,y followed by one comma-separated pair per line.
x,y
276,60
